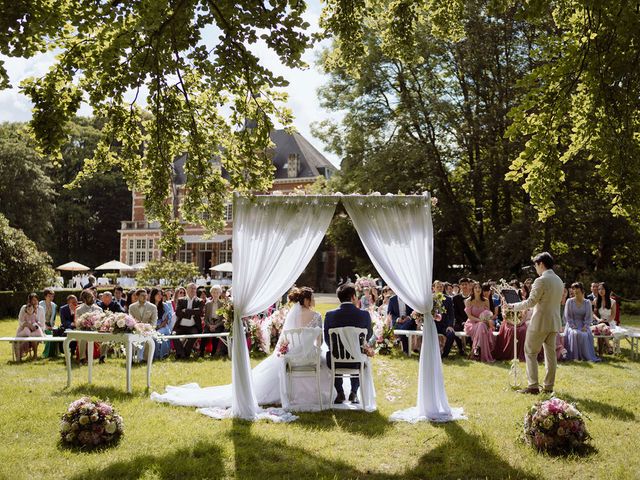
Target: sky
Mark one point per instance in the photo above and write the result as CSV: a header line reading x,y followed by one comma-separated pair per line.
x,y
302,90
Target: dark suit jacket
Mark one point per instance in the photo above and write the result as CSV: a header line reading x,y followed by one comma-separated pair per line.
x,y
347,315
394,310
449,318
197,311
458,311
66,317
114,306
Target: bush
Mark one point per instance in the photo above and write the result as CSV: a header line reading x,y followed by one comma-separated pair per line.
x,y
22,265
630,308
173,273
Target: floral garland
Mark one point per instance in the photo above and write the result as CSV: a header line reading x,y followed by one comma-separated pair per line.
x,y
555,426
90,423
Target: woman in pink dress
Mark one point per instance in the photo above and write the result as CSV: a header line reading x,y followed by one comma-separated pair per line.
x,y
480,331
30,324
504,341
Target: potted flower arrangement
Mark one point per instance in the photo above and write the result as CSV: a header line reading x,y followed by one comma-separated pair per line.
x,y
89,423
555,426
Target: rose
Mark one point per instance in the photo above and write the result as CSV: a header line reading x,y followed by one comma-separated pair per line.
x,y
130,321
547,423
110,428
65,427
84,420
120,323
95,417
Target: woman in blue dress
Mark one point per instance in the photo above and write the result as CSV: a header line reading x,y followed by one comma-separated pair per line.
x,y
165,313
578,316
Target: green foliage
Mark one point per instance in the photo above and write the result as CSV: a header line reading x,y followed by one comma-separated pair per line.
x,y
174,273
199,95
22,265
27,196
10,301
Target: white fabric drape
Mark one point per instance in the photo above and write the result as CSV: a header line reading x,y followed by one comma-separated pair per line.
x,y
397,234
274,238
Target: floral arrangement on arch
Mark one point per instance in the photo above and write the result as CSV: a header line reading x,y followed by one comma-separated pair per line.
x,y
555,426
508,315
89,423
226,312
384,341
253,326
276,322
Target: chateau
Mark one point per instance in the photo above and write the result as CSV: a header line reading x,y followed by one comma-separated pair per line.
x,y
297,164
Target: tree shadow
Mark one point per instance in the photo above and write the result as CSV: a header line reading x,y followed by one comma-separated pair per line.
x,y
579,363
102,392
357,422
603,409
457,457
203,460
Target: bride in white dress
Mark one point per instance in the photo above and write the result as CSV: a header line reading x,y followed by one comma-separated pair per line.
x,y
266,375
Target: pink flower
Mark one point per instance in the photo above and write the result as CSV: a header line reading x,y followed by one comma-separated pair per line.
x,y
129,321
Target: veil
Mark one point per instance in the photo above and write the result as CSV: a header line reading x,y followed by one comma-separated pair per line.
x,y
293,319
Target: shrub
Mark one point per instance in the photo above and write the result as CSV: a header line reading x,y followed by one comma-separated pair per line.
x,y
10,302
173,273
22,265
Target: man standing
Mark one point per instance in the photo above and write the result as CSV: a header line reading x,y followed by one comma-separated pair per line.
x,y
546,294
445,325
189,311
347,315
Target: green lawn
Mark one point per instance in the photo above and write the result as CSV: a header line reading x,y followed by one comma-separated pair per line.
x,y
163,442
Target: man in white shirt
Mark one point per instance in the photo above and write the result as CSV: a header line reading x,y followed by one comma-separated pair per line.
x,y
189,311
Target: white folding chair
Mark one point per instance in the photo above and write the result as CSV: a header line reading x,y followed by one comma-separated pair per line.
x,y
345,346
303,364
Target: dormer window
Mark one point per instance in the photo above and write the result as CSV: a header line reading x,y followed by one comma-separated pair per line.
x,y
293,164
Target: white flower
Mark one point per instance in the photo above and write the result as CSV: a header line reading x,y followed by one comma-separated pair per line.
x,y
120,323
84,420
110,428
65,427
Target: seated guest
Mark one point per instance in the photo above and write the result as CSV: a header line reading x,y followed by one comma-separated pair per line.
x,y
445,325
605,312
503,349
143,312
480,331
91,282
50,310
30,324
68,313
386,295
108,303
118,293
88,305
132,297
178,294
488,289
578,317
189,314
213,323
400,314
165,312
448,289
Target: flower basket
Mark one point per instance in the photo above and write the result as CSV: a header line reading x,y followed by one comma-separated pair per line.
x,y
555,426
90,423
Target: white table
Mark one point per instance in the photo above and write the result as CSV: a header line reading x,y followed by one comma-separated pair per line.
x,y
126,338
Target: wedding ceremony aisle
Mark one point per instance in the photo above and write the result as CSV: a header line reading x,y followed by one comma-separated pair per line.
x,y
168,442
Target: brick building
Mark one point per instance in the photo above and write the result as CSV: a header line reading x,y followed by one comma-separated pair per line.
x,y
297,164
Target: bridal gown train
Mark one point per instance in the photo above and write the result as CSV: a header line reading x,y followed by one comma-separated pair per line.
x,y
266,383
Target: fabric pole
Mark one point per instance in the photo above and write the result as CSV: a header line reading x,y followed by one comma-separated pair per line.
x,y
397,234
274,238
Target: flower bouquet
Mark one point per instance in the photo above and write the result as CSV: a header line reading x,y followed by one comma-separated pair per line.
x,y
485,316
282,349
276,322
89,423
601,329
88,320
438,309
226,312
123,323
253,327
384,341
555,426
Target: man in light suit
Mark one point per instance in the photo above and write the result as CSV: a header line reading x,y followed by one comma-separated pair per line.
x,y
546,294
143,311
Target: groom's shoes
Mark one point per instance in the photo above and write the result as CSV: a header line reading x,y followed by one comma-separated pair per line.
x,y
340,398
353,398
530,390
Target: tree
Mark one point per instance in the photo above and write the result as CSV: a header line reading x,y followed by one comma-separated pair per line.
x,y
27,196
174,273
200,95
22,266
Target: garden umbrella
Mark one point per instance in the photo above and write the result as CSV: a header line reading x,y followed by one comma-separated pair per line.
x,y
223,267
113,265
73,267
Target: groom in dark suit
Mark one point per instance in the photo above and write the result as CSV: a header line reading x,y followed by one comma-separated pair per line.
x,y
347,315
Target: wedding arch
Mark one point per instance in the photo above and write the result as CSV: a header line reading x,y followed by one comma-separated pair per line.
x,y
275,237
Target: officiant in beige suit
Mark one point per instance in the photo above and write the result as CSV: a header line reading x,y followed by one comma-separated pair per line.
x,y
545,297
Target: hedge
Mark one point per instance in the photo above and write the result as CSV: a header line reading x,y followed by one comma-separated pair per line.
x,y
10,302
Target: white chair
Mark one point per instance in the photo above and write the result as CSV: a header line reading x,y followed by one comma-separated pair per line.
x,y
302,361
345,345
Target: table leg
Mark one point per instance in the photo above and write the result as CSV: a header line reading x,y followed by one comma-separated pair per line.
x,y
151,349
67,359
128,350
90,359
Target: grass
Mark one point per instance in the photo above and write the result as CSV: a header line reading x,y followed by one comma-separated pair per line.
x,y
163,442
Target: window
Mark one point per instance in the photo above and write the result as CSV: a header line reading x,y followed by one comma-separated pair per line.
x,y
131,244
131,256
140,250
228,212
225,252
292,165
185,254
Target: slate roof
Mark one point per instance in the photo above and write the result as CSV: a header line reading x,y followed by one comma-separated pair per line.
x,y
311,162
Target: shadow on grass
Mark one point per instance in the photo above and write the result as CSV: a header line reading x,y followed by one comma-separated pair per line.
x,y
204,460
368,424
102,392
461,455
601,408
